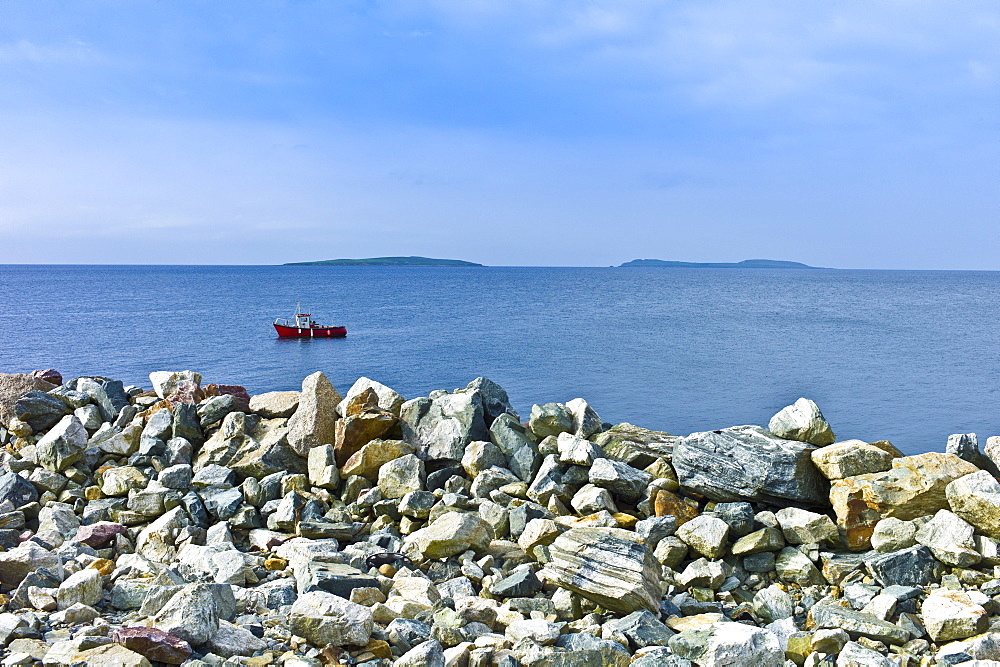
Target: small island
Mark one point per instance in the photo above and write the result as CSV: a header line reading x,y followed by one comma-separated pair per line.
x,y
745,264
386,261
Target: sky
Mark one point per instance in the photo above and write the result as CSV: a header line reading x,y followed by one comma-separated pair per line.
x,y
507,132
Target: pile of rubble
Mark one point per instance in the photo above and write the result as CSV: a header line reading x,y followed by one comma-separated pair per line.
x,y
194,524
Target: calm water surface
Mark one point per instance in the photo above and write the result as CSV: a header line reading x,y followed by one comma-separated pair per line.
x,y
904,356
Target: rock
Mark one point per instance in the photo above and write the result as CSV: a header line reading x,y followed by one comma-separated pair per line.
x,y
773,604
913,566
274,404
550,419
15,385
590,499
361,425
167,383
367,461
232,640
324,618
538,631
604,565
704,574
729,644
336,578
853,654
118,481
521,583
856,623
803,527
108,655
586,421
640,629
28,557
191,614
522,455
794,566
708,535
802,421
63,445
481,455
214,409
966,447
949,615
443,426
748,463
401,476
765,539
976,498
387,399
80,587
450,534
16,489
913,487
39,410
266,452
636,446
426,654
950,539
322,467
314,420
893,534
850,458
153,644
622,480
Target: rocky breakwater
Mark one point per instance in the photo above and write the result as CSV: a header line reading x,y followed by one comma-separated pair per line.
x,y
195,524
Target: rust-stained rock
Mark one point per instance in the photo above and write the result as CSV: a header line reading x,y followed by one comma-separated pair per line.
x,y
670,504
913,487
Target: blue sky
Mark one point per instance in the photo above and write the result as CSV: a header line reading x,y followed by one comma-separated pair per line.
x,y
577,133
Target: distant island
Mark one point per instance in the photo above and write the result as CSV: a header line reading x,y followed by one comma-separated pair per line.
x,y
745,264
386,261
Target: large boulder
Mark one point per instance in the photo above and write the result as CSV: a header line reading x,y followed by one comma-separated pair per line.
x,y
15,385
314,421
802,421
192,614
606,566
327,619
749,463
388,399
442,426
450,534
39,410
63,445
976,498
913,487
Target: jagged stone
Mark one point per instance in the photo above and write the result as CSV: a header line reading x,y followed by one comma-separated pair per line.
x,y
324,618
913,487
622,480
749,463
39,410
450,534
708,535
976,498
913,566
728,643
443,426
386,398
275,404
803,527
802,421
314,421
850,458
63,445
950,539
604,565
949,615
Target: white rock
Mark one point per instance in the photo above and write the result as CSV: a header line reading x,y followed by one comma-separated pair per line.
x,y
708,535
802,421
803,527
83,587
949,614
950,539
324,618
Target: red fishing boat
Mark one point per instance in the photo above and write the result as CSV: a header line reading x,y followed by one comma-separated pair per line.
x,y
303,326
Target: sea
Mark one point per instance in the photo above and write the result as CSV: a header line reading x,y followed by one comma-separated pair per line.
x,y
904,356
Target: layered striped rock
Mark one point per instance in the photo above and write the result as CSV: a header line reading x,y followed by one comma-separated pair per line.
x,y
749,463
607,566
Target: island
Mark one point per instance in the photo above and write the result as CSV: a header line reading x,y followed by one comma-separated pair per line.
x,y
745,264
386,261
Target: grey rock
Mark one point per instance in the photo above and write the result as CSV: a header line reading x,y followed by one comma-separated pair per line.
x,y
522,455
729,644
314,420
443,426
39,410
950,539
16,489
427,654
521,583
401,476
708,535
802,421
739,516
857,624
622,480
336,578
550,419
586,421
231,640
749,463
63,445
641,629
604,565
324,618
214,408
191,613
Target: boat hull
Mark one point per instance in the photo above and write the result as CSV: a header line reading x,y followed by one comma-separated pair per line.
x,y
310,332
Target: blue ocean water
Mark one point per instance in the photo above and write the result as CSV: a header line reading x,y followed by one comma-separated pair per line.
x,y
905,356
